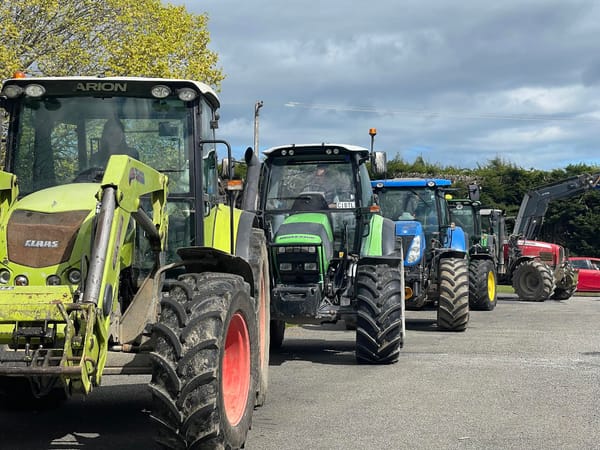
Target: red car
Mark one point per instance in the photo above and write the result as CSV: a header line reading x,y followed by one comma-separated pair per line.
x,y
589,273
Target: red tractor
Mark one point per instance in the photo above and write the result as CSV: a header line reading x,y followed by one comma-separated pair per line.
x,y
537,270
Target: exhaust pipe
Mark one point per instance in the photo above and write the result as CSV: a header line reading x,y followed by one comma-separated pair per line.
x,y
250,196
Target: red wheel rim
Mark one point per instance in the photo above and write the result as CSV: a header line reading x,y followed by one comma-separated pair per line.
x,y
236,369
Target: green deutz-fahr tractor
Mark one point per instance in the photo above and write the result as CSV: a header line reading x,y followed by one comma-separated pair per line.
x,y
331,252
118,256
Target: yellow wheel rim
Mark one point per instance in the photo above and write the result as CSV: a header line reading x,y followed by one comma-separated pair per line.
x,y
491,286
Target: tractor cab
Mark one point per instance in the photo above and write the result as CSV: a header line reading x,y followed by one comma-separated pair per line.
x,y
64,131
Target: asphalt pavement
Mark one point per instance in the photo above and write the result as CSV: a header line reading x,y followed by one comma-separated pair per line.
x,y
524,376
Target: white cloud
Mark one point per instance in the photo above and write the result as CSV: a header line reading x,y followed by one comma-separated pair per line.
x,y
464,80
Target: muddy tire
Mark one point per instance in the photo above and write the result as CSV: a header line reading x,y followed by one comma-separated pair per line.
x,y
380,314
453,303
259,261
563,294
482,285
533,281
568,285
277,333
205,363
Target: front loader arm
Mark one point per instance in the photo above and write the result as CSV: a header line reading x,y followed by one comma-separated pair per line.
x,y
63,331
125,182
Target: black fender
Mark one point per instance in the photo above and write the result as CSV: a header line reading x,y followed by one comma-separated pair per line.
x,y
518,261
244,231
208,259
388,237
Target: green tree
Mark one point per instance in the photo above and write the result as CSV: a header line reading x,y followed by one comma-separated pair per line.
x,y
106,37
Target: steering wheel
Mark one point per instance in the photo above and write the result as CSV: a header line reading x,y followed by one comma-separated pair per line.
x,y
90,175
310,201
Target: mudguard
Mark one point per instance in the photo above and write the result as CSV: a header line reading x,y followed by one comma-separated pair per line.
x,y
381,240
456,239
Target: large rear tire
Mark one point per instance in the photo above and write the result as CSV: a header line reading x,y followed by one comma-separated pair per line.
x,y
482,285
380,318
453,304
533,281
205,363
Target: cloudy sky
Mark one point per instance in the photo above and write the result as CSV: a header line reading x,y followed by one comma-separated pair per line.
x,y
456,82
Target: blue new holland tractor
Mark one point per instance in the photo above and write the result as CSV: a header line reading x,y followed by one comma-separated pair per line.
x,y
436,268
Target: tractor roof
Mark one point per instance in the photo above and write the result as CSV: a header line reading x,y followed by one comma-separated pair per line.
x,y
96,84
316,149
411,182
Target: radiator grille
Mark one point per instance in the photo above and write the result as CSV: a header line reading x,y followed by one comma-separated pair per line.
x,y
37,239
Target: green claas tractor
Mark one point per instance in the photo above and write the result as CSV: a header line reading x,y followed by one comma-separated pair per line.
x,y
119,256
331,253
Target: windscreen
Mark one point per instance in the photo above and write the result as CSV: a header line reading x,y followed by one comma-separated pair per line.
x,y
61,140
298,186
329,183
409,204
462,216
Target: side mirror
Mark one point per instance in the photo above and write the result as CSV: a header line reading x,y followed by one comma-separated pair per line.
x,y
474,192
379,163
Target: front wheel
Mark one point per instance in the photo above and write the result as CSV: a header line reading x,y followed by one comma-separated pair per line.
x,y
482,285
205,363
453,304
259,262
380,315
533,281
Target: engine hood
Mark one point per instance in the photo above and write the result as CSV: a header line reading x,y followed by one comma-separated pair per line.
x,y
67,197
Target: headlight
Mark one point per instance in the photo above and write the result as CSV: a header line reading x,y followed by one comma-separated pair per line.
x,y
4,276
285,267
53,280
187,94
35,90
414,251
21,280
12,91
310,266
74,276
161,91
